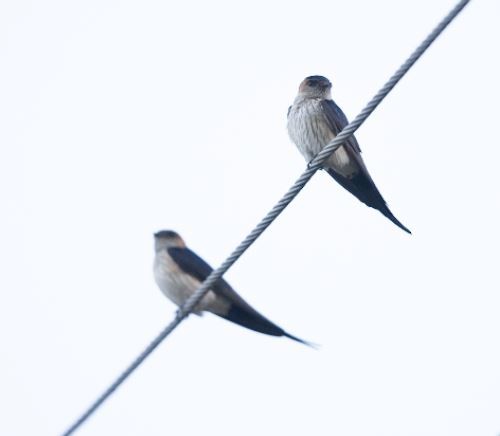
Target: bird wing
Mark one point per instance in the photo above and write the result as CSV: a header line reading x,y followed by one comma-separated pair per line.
x,y
337,121
196,267
240,312
360,184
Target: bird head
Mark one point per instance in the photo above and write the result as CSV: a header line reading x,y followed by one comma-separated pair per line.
x,y
168,238
315,87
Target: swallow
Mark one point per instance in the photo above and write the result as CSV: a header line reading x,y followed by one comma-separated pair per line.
x,y
314,119
179,272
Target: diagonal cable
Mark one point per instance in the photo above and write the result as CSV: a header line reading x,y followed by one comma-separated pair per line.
x,y
314,165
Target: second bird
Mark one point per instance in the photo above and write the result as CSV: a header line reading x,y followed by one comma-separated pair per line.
x,y
179,272
313,121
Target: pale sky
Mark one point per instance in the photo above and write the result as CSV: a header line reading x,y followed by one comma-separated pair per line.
x,y
121,118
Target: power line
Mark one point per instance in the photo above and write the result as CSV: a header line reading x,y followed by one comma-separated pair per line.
x,y
313,166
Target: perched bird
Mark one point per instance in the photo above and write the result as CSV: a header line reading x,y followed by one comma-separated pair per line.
x,y
313,121
179,272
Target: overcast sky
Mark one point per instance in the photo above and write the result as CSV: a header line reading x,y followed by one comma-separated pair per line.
x,y
121,118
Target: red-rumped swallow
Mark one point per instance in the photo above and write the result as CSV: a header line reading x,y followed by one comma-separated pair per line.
x,y
313,121
179,272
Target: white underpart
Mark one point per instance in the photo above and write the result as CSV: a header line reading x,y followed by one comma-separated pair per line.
x,y
178,286
309,130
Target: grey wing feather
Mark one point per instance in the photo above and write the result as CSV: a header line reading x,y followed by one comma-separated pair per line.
x,y
360,184
240,311
196,267
337,121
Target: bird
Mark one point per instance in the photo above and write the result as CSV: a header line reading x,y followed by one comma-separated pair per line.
x,y
179,272
314,120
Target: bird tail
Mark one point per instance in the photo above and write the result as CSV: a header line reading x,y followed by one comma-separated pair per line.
x,y
388,214
363,188
302,341
256,322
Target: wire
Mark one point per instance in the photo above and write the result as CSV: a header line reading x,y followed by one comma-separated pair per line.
x,y
313,166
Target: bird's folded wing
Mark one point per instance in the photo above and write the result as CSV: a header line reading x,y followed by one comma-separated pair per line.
x,y
337,121
196,267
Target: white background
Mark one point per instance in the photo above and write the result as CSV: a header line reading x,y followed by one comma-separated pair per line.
x,y
121,118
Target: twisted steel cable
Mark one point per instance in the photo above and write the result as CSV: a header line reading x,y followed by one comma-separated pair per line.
x,y
313,166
